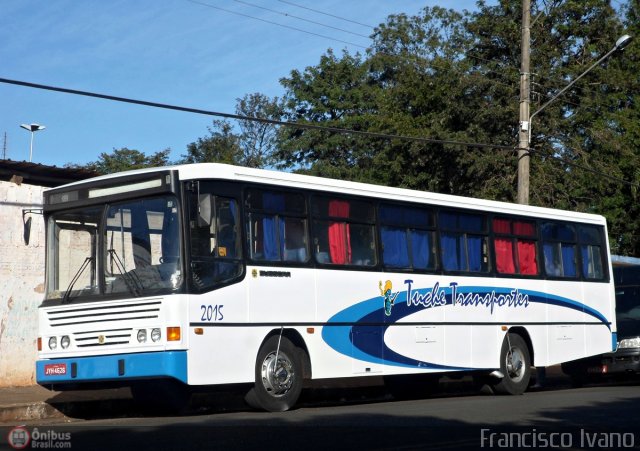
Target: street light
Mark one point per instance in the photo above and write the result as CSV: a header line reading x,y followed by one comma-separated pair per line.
x,y
523,186
32,128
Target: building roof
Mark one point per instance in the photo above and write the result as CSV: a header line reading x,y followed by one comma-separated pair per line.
x,y
40,174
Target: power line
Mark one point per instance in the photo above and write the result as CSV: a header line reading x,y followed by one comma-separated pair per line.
x,y
301,18
298,125
254,119
583,167
326,14
277,24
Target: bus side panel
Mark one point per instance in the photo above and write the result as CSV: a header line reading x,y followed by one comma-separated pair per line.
x,y
226,349
345,298
570,306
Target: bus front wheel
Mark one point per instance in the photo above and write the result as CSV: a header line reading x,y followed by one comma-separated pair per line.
x,y
515,365
278,376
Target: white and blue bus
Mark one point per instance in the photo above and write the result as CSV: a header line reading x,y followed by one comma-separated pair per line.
x,y
209,274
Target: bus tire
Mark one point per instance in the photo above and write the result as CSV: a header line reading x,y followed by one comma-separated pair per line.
x,y
278,383
515,365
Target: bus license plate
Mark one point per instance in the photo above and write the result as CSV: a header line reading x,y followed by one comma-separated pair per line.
x,y
55,369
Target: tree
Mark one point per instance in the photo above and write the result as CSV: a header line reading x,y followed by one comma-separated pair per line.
x,y
221,146
125,159
253,146
415,83
454,76
258,140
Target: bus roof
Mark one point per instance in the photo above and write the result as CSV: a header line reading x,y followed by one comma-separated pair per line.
x,y
200,171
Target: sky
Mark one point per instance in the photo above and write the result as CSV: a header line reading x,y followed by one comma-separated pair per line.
x,y
202,54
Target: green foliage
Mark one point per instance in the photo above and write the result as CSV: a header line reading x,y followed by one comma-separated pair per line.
x,y
220,147
454,76
125,159
254,146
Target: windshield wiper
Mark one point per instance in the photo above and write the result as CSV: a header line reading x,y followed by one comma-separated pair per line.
x,y
131,280
67,294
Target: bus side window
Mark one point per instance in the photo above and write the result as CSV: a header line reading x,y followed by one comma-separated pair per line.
x,y
344,232
276,226
514,246
463,240
215,242
559,249
591,246
408,239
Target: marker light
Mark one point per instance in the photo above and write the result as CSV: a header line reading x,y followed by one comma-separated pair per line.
x,y
173,334
39,343
142,336
65,342
155,335
53,343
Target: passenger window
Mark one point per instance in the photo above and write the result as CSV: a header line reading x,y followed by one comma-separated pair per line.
x,y
559,248
514,245
463,241
343,232
408,239
277,226
591,251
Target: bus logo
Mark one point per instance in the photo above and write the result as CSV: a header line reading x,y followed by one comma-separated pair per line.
x,y
101,339
388,295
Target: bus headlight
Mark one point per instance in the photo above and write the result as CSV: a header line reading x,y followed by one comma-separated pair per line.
x,y
53,343
155,335
629,343
65,342
142,336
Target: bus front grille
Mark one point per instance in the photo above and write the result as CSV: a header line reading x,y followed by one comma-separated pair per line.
x,y
86,317
108,337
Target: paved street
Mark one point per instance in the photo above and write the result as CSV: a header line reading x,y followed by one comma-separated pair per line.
x,y
597,416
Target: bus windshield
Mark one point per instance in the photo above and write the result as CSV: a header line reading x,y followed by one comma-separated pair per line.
x,y
130,248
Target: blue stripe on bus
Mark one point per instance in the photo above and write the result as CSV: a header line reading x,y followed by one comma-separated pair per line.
x,y
358,335
108,367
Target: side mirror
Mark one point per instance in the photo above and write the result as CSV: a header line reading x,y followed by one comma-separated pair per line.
x,y
27,230
26,223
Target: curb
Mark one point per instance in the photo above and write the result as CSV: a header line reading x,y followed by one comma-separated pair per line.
x,y
29,412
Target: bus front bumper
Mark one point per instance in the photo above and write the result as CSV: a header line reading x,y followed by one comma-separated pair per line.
x,y
118,367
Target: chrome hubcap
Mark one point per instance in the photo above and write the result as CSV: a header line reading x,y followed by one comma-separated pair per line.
x,y
515,364
277,376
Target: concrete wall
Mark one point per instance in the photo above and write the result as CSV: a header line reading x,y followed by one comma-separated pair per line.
x,y
21,282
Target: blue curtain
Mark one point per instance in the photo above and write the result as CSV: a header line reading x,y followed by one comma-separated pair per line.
x,y
394,244
420,248
450,252
586,260
568,260
271,227
550,266
474,251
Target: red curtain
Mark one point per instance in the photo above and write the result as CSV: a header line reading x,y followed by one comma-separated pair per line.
x,y
524,228
501,226
339,235
504,255
527,257
504,247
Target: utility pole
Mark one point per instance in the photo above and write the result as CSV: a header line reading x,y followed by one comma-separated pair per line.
x,y
4,148
525,85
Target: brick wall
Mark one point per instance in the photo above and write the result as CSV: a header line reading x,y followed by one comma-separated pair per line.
x,y
21,282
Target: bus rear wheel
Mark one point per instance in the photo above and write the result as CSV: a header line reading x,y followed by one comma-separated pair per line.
x,y
278,376
515,365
